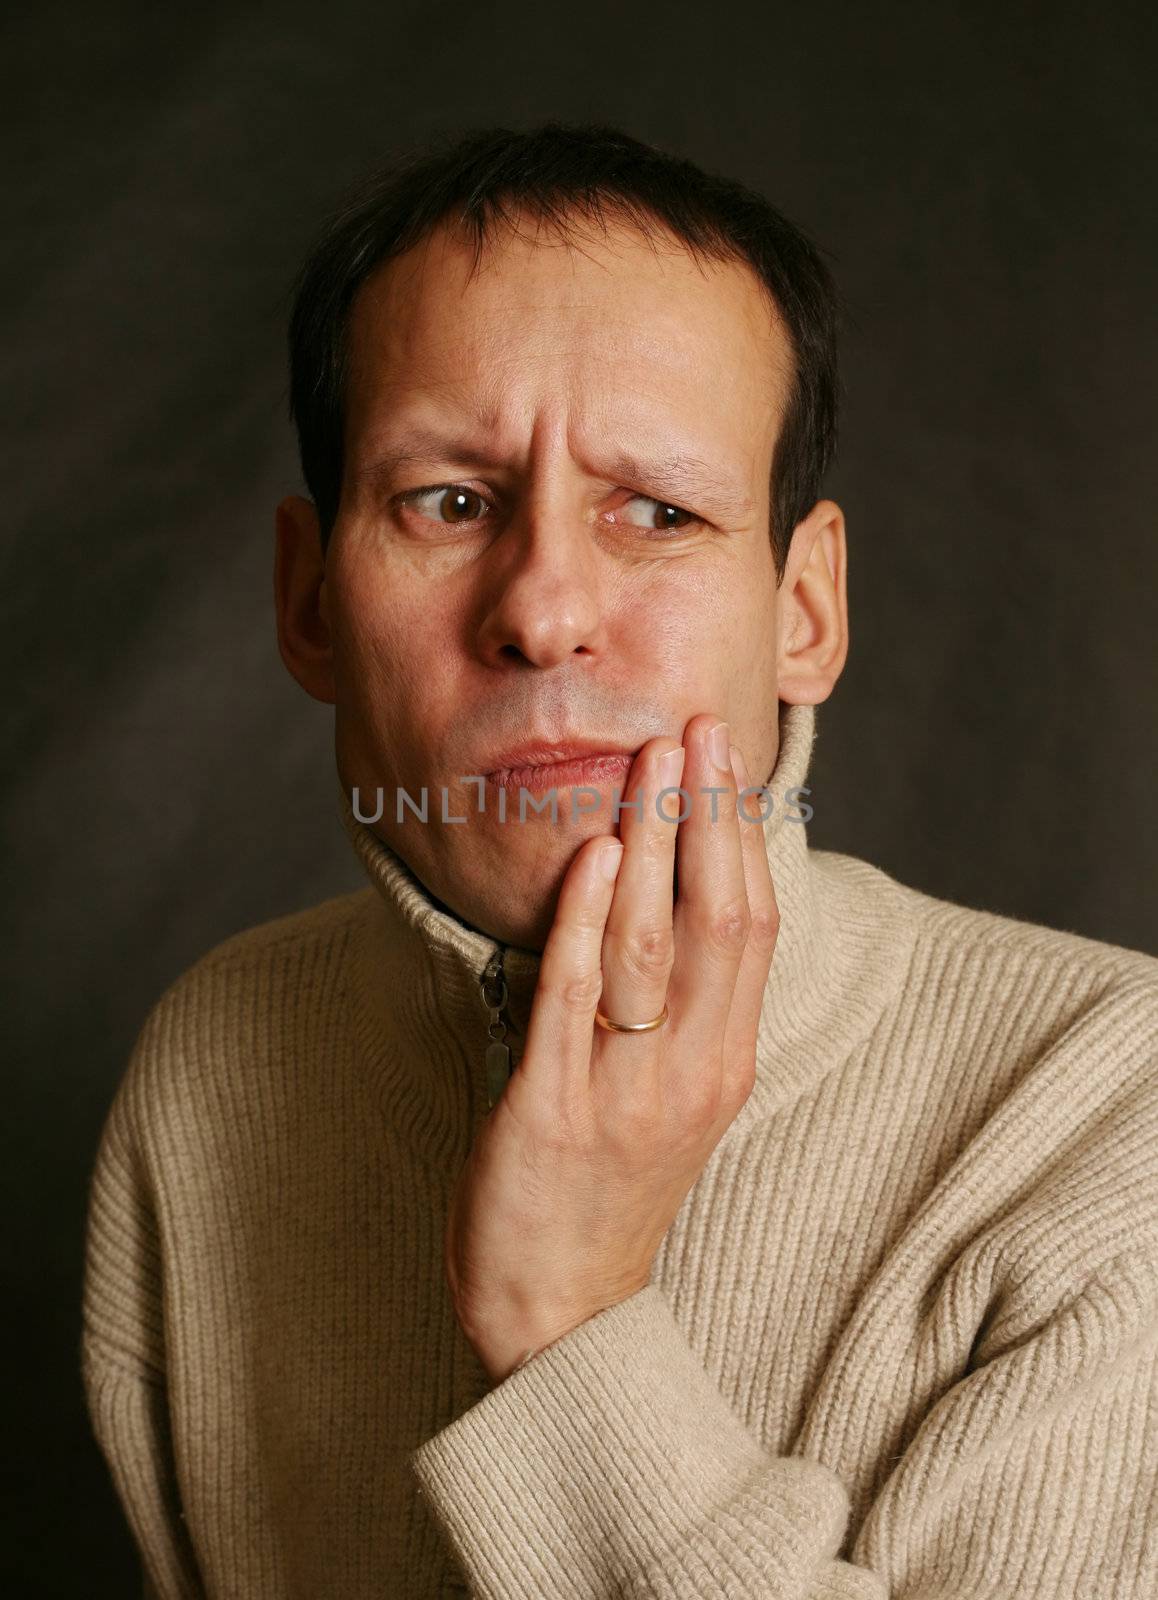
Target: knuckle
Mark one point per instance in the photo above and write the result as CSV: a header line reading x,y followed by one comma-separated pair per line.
x,y
765,926
698,1106
567,1130
648,952
635,1128
727,927
579,992
631,1121
741,1081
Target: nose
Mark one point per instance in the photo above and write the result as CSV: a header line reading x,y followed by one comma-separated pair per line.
x,y
544,604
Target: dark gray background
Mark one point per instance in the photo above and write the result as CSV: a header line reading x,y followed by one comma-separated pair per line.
x,y
986,185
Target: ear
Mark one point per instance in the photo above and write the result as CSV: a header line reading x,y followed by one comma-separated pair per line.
x,y
812,604
299,584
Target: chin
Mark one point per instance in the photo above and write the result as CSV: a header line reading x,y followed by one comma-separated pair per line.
x,y
505,879
475,886
524,926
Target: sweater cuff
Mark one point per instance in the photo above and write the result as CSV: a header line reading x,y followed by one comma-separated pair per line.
x,y
611,1464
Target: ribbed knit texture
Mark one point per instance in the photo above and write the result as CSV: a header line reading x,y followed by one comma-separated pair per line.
x,y
901,1339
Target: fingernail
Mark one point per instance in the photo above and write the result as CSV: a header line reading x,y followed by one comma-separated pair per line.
x,y
718,745
671,767
609,858
738,767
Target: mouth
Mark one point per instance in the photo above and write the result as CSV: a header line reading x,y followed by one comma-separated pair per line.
x,y
593,769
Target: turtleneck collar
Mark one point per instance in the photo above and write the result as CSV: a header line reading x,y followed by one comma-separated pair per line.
x,y
846,933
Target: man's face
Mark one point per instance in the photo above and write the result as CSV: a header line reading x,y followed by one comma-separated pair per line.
x,y
554,527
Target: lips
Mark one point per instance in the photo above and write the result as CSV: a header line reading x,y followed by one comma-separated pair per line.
x,y
556,766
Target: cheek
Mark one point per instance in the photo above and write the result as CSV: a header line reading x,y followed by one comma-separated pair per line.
x,y
701,634
396,664
384,619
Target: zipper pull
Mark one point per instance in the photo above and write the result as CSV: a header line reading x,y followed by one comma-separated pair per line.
x,y
494,992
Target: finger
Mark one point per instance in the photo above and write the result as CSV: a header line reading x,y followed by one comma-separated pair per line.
x,y
742,1033
639,940
557,1054
711,914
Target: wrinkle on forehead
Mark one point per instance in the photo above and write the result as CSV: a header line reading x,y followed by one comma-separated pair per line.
x,y
399,332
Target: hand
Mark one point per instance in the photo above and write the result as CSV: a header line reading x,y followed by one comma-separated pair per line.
x,y
583,1164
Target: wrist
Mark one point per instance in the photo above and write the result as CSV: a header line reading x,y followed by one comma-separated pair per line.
x,y
502,1363
500,1368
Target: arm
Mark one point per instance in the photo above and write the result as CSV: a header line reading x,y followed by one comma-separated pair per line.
x,y
123,1361
130,1419
1037,1473
611,1465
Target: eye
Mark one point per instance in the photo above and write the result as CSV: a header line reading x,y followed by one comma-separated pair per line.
x,y
659,515
447,502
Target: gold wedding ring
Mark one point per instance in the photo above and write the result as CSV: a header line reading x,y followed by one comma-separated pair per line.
x,y
631,1027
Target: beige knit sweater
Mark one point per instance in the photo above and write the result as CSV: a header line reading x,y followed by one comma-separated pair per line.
x,y
901,1340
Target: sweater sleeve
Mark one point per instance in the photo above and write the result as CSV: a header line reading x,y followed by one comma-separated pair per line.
x,y
123,1361
1036,1473
612,1465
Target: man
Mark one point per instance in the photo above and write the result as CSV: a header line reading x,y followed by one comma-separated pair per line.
x,y
616,1196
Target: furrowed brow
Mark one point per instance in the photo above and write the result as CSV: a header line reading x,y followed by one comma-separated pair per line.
x,y
681,477
422,445
686,478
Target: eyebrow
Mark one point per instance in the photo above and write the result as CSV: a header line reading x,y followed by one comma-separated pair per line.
x,y
683,476
688,478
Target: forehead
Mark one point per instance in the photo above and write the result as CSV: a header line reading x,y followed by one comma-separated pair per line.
x,y
606,327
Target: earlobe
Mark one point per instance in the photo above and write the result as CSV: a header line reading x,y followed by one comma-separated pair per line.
x,y
300,599
813,608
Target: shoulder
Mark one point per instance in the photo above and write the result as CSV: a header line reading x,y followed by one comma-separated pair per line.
x,y
298,931
1030,974
1047,1038
1081,1009
1052,1038
1017,941
238,1009
996,996
280,955
1002,939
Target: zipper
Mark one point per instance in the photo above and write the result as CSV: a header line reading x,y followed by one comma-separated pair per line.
x,y
498,1055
